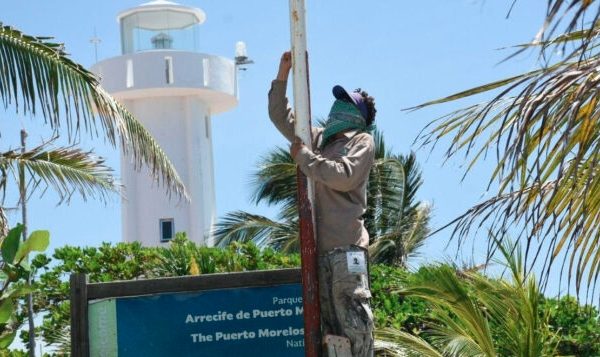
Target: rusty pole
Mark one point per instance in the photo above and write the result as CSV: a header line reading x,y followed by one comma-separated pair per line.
x,y
308,247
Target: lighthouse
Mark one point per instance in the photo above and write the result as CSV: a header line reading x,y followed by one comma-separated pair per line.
x,y
174,90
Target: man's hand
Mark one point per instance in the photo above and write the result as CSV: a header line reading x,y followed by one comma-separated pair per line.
x,y
296,146
285,64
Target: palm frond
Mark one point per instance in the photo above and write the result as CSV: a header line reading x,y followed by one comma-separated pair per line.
x,y
413,182
513,81
454,341
67,170
552,218
466,304
59,339
396,225
243,227
275,182
37,77
577,32
405,344
384,196
544,129
446,292
3,223
515,305
417,232
571,13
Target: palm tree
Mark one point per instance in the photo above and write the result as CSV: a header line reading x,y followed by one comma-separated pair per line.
x,y
544,128
37,77
66,169
477,316
396,224
275,183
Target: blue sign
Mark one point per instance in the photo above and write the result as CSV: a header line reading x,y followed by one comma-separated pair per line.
x,y
250,321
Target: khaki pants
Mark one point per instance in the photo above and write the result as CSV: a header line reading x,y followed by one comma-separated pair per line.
x,y
344,297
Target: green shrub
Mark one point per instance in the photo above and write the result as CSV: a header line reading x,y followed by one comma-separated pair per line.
x,y
15,271
577,326
390,309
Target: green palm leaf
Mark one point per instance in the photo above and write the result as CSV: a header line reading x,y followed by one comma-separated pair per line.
x,y
466,304
275,182
243,227
37,77
416,232
544,127
397,224
405,344
385,190
442,288
67,170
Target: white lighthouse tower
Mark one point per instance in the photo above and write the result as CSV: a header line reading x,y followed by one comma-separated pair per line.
x,y
173,90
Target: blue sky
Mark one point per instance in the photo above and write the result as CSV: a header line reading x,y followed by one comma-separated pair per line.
x,y
402,52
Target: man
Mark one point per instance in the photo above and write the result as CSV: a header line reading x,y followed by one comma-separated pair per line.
x,y
339,163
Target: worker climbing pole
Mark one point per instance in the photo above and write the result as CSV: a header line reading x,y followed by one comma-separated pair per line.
x,y
308,247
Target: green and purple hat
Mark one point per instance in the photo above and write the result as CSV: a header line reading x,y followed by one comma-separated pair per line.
x,y
353,97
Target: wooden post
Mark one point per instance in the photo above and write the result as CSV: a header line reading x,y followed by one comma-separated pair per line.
x,y
79,316
308,247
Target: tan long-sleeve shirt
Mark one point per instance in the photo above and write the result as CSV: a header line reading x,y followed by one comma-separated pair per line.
x,y
340,172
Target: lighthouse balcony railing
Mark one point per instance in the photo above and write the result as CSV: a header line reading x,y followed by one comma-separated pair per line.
x,y
161,72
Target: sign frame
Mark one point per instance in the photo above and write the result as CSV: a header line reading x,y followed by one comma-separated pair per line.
x,y
82,292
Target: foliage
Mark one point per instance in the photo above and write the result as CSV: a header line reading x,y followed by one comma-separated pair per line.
x,y
396,223
575,327
65,169
39,78
573,324
578,326
18,353
473,315
274,183
240,226
390,309
14,275
544,127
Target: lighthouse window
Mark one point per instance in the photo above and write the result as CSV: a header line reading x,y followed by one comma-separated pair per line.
x,y
206,71
129,73
169,69
207,126
167,229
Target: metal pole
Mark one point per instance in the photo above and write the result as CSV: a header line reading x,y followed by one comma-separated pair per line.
x,y
308,247
23,197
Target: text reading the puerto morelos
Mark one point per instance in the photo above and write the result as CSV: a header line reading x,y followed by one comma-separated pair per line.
x,y
282,307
